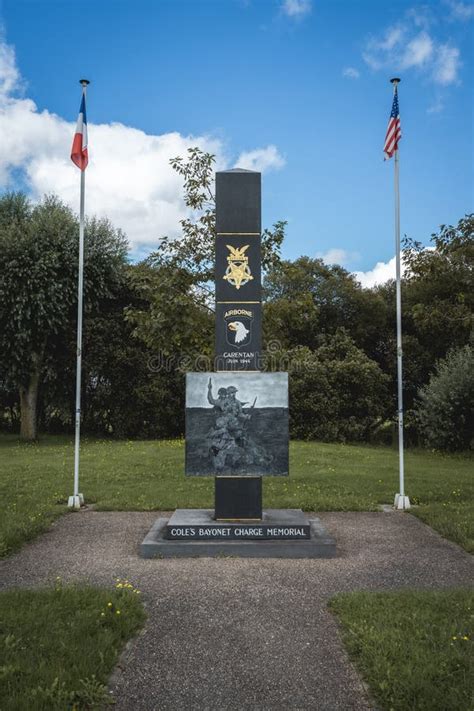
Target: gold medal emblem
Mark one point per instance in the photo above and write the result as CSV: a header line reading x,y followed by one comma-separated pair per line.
x,y
238,271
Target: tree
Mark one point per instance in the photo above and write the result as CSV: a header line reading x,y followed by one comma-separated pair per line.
x,y
437,307
307,297
174,316
440,287
129,391
337,393
38,288
176,281
194,250
445,411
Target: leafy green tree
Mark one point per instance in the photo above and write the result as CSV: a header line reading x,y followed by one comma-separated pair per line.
x,y
174,315
445,411
130,392
38,288
437,307
194,249
307,297
337,393
440,287
134,390
176,281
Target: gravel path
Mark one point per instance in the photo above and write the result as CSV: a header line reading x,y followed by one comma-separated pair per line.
x,y
249,634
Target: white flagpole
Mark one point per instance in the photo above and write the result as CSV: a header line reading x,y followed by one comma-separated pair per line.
x,y
77,499
401,501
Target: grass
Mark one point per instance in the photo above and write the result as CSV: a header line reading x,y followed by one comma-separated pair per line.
x,y
58,646
36,479
414,649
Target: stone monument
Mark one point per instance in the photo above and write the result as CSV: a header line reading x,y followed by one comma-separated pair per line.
x,y
237,416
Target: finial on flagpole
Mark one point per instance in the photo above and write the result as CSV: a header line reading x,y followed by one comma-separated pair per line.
x,y
395,80
85,82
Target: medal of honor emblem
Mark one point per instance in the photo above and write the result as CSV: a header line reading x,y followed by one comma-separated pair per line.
x,y
238,271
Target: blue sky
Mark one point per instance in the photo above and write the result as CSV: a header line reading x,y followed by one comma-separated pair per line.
x,y
298,88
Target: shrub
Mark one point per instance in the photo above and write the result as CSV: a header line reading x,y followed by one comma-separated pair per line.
x,y
445,413
337,393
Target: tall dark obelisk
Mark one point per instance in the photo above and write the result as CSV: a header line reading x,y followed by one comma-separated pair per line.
x,y
236,415
238,312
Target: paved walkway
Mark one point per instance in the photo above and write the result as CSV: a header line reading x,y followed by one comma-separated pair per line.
x,y
228,634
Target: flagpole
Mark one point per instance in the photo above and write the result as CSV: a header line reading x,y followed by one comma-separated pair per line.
x,y
401,501
77,499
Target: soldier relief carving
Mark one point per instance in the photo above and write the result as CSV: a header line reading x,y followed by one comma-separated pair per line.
x,y
230,443
237,424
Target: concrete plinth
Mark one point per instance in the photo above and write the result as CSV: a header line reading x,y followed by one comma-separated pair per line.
x,y
401,503
280,534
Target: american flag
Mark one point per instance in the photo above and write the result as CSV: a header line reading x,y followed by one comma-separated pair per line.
x,y
394,132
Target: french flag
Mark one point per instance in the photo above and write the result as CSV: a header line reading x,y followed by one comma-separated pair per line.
x,y
79,154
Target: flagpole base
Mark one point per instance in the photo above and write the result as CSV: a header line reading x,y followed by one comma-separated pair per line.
x,y
75,502
401,503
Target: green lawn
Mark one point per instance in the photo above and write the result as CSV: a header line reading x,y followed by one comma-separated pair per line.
x,y
414,649
36,480
59,646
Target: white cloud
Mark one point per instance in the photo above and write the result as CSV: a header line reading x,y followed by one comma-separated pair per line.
x,y
351,73
382,272
421,16
371,60
336,255
418,51
261,159
447,65
296,8
9,74
460,10
436,107
404,46
377,51
391,39
399,48
129,178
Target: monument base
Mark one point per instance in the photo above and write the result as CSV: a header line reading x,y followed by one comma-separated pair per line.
x,y
282,533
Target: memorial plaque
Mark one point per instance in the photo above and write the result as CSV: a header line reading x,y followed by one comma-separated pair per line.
x,y
238,336
238,533
236,424
277,524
